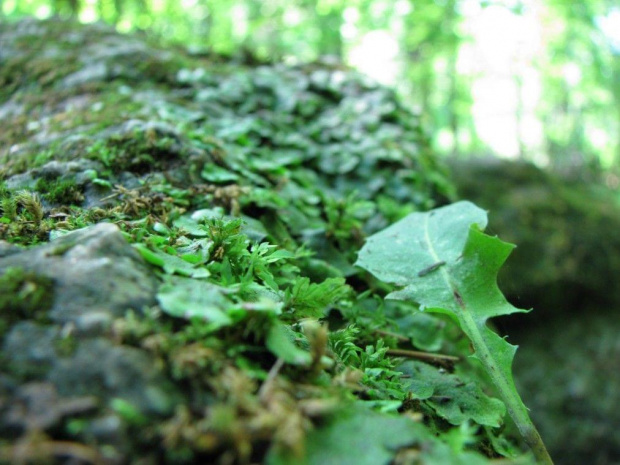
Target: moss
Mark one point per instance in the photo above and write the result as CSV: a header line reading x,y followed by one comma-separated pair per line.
x,y
33,72
24,295
22,217
59,191
139,152
41,103
274,164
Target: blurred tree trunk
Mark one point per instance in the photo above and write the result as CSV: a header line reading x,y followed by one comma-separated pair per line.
x,y
329,25
65,7
519,115
452,52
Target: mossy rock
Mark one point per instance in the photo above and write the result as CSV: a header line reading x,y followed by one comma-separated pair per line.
x,y
245,193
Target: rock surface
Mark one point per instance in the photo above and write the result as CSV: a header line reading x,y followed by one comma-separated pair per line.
x,y
94,270
69,350
100,129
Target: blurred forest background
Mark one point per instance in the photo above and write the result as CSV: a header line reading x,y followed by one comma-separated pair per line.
x,y
532,79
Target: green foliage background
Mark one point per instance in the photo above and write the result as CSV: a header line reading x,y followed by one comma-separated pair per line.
x,y
580,117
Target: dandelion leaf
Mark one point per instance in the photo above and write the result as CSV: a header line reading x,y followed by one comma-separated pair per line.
x,y
443,261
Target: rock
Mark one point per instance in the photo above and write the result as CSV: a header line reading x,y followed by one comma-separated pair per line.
x,y
80,170
37,406
66,348
31,348
94,367
108,430
93,270
6,249
120,372
63,183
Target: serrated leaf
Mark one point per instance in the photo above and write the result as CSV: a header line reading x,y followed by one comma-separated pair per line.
x,y
310,300
443,261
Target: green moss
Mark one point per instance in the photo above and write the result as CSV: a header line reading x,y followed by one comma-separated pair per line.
x,y
60,191
23,294
138,152
22,218
11,164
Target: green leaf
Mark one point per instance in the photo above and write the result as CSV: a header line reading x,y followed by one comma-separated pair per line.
x,y
449,397
213,173
442,454
425,331
280,343
128,412
356,436
443,261
311,300
189,298
171,264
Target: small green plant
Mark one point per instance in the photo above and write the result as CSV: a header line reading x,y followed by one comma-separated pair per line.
x,y
31,205
8,205
61,191
443,261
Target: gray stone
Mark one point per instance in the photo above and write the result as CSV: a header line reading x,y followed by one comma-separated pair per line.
x,y
93,323
97,368
37,406
92,72
93,269
80,170
6,249
107,430
30,348
108,371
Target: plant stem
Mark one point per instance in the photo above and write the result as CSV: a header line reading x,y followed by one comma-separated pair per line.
x,y
423,355
514,405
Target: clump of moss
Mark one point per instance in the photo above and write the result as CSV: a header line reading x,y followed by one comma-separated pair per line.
x,y
23,295
139,152
59,191
22,217
8,205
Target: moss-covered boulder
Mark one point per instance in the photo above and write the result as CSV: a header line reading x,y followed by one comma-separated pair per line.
x,y
216,315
